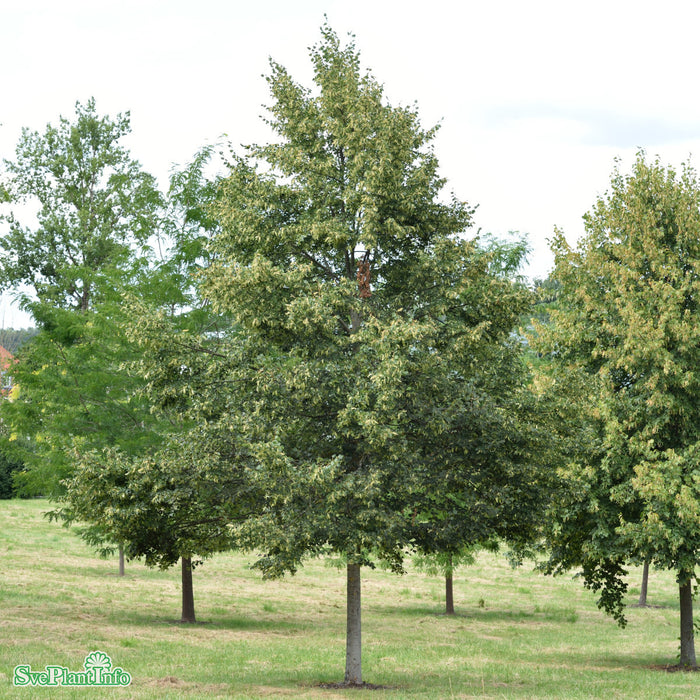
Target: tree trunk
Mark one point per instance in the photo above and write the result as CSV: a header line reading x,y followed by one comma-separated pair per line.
x,y
187,591
645,584
449,597
121,560
687,631
353,640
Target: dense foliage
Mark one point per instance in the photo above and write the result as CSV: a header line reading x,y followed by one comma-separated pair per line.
x,y
314,354
371,381
627,324
94,204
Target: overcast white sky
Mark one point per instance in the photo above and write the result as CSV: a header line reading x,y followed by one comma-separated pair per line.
x,y
535,98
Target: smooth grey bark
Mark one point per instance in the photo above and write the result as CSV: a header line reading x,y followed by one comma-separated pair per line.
x,y
121,560
353,639
449,593
645,585
687,632
187,591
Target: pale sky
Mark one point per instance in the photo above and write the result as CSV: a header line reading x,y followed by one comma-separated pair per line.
x,y
536,99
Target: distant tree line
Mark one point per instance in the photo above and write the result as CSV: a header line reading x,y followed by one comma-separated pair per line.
x,y
12,339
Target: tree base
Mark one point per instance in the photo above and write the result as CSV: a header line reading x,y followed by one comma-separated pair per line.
x,y
677,668
359,686
180,621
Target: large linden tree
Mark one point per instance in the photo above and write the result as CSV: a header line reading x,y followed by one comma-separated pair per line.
x,y
365,320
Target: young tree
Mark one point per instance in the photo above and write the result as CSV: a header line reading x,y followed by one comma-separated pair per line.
x,y
172,504
642,602
162,501
364,318
444,564
627,322
494,474
178,499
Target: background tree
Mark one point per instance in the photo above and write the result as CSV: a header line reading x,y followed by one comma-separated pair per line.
x,y
103,233
362,316
492,474
444,564
9,466
94,204
154,496
642,602
170,505
627,325
94,208
12,339
72,386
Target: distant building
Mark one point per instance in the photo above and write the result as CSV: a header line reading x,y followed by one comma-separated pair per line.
x,y
6,362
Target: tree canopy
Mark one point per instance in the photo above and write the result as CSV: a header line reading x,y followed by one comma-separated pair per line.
x,y
93,204
325,360
90,210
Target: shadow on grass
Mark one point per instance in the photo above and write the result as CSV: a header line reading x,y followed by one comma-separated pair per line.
x,y
229,623
642,663
549,613
650,606
241,622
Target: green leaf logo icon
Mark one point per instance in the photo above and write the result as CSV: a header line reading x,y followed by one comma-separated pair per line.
x,y
97,659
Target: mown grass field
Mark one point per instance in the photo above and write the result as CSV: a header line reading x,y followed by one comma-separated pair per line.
x,y
517,634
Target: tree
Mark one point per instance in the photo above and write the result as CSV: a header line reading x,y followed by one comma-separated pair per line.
x,y
444,564
94,204
627,325
72,386
12,339
493,473
162,500
94,207
168,506
362,318
642,602
8,468
98,211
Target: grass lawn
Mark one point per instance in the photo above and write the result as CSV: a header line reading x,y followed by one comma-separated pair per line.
x,y
516,634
